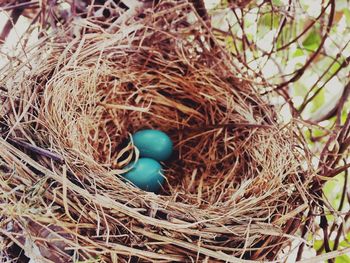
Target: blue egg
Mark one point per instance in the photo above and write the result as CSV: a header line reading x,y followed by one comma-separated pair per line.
x,y
146,174
153,144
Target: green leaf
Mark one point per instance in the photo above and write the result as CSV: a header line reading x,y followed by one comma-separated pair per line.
x,y
299,65
277,2
342,259
269,20
299,89
284,37
330,218
318,244
334,68
318,101
312,41
347,15
344,114
318,132
344,244
230,45
250,37
310,236
298,53
331,191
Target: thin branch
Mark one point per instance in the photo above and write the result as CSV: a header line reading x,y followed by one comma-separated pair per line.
x,y
200,8
322,258
338,107
338,170
340,208
301,70
324,227
38,150
304,231
306,29
10,23
33,4
307,100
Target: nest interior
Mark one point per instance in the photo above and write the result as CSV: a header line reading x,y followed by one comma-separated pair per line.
x,y
236,184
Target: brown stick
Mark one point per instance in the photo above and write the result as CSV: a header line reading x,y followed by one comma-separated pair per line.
x,y
15,14
38,150
27,4
200,8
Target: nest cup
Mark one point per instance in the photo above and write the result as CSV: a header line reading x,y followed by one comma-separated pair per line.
x,y
235,185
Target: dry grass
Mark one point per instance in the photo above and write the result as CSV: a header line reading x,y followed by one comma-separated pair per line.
x,y
236,188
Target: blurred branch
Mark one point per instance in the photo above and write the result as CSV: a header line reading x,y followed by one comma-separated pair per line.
x,y
331,156
338,107
26,4
16,12
200,8
301,70
342,201
307,100
281,26
345,188
239,3
346,218
306,29
332,152
324,227
338,170
304,231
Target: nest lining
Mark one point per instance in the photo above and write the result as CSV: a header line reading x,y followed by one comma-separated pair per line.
x,y
206,116
234,183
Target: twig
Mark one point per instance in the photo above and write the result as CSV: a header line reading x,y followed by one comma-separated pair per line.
x,y
230,125
15,14
345,188
20,5
333,111
324,227
304,231
38,150
281,26
200,8
322,258
339,106
306,29
301,70
338,170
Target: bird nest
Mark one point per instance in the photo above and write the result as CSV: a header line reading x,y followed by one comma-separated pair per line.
x,y
236,186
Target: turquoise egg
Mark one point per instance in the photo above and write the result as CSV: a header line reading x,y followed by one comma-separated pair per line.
x,y
146,174
153,144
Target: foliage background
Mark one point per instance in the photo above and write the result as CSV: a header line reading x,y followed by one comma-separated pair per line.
x,y
301,50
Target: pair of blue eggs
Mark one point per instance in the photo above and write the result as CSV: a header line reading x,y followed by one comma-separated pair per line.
x,y
154,146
